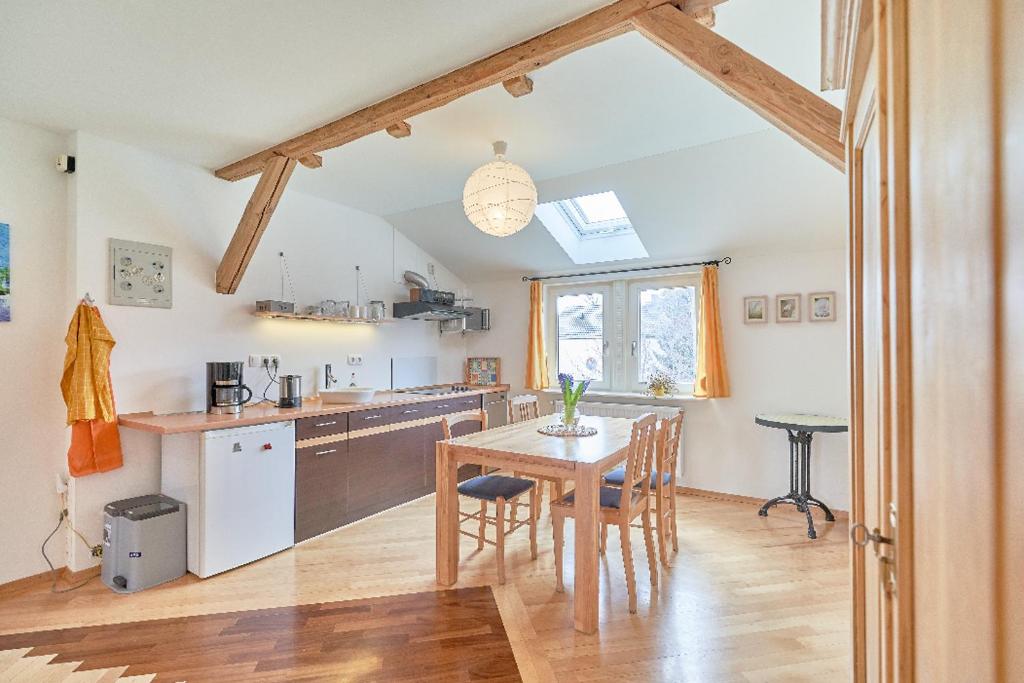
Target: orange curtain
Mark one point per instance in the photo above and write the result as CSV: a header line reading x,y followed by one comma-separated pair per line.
x,y
536,358
712,375
95,441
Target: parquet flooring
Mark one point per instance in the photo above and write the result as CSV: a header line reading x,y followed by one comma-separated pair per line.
x,y
747,599
438,636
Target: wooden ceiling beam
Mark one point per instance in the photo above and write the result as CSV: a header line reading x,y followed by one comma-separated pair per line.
x,y
254,223
312,161
530,55
786,104
518,86
399,130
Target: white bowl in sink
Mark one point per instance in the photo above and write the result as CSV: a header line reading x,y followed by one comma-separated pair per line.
x,y
348,395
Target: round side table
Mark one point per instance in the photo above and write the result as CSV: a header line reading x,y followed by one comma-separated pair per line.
x,y
800,428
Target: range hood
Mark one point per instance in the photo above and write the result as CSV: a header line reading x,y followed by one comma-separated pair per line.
x,y
422,310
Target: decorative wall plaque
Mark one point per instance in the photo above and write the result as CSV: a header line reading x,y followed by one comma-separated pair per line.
x,y
140,274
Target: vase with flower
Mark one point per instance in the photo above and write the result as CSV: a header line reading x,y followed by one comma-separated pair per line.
x,y
571,394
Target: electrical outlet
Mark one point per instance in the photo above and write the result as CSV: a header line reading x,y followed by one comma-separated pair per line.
x,y
264,360
355,359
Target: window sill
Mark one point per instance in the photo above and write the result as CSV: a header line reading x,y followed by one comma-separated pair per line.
x,y
627,396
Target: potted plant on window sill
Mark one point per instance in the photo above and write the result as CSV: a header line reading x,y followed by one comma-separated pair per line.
x,y
571,394
661,384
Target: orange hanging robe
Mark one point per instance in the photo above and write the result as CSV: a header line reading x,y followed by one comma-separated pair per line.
x,y
95,441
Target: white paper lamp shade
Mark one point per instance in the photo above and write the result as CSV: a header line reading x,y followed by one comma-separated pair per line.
x,y
499,197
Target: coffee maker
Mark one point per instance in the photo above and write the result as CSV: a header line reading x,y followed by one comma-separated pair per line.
x,y
225,393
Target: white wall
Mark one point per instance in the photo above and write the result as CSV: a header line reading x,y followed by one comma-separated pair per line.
x,y
792,367
32,201
159,361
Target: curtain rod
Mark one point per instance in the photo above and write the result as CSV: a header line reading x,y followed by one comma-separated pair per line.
x,y
727,260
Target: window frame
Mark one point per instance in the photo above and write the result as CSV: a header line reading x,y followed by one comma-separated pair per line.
x,y
634,288
551,304
621,323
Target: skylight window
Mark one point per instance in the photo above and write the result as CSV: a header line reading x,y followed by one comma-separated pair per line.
x,y
592,228
595,215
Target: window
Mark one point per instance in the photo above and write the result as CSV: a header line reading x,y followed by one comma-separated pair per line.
x,y
592,228
580,333
618,333
595,215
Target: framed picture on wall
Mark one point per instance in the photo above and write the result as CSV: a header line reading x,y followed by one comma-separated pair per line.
x,y
483,372
821,306
755,309
787,308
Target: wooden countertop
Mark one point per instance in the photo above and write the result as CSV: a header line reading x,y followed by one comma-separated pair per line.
x,y
199,421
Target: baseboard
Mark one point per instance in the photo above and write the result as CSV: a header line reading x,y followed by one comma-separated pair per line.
x,y
736,498
75,577
64,575
16,586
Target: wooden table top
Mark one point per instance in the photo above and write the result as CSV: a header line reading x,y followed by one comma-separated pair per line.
x,y
613,434
802,422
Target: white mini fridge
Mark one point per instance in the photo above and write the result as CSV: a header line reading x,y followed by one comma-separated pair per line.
x,y
239,488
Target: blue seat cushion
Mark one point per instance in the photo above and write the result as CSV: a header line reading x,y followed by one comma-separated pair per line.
x,y
610,497
494,486
618,477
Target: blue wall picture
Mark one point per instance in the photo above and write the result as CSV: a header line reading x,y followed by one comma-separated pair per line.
x,y
5,273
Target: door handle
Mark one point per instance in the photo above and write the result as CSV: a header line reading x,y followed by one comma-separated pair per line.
x,y
632,349
325,424
874,537
411,410
331,450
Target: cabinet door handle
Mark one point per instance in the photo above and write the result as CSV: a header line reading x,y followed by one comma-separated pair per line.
x,y
372,417
444,406
325,424
331,450
411,410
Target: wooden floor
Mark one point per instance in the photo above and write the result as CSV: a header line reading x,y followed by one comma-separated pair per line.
x,y
747,599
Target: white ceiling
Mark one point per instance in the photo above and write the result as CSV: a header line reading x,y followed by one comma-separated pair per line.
x,y
209,82
751,194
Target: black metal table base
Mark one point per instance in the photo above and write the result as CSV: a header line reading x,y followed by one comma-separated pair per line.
x,y
800,482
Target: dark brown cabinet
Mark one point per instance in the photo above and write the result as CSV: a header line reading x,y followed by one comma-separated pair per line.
x,y
321,489
374,469
372,475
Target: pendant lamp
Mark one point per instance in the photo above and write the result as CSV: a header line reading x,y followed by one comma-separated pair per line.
x,y
499,197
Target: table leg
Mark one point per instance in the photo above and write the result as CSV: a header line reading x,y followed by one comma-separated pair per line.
x,y
447,516
586,566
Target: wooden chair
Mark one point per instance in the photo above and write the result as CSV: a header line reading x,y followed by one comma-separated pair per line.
x,y
663,486
500,490
520,409
620,506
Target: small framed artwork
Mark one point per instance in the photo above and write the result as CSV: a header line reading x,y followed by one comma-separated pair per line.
x,y
787,308
5,273
483,372
755,309
821,306
140,274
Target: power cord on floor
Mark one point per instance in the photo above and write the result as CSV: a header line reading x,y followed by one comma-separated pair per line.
x,y
42,549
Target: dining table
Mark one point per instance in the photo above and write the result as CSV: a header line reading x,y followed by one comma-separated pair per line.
x,y
522,449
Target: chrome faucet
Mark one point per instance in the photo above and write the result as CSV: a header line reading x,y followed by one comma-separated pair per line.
x,y
329,379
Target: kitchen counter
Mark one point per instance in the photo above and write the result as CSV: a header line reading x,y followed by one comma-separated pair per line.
x,y
199,421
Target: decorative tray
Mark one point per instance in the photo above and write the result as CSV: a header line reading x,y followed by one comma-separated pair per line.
x,y
559,429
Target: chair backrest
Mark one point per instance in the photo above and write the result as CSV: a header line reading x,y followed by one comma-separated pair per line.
x,y
669,435
523,408
640,459
449,421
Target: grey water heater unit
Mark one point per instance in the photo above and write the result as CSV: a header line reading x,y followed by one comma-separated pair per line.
x,y
143,542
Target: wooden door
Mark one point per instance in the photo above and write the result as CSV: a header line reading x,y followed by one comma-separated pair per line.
x,y
933,133
880,368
